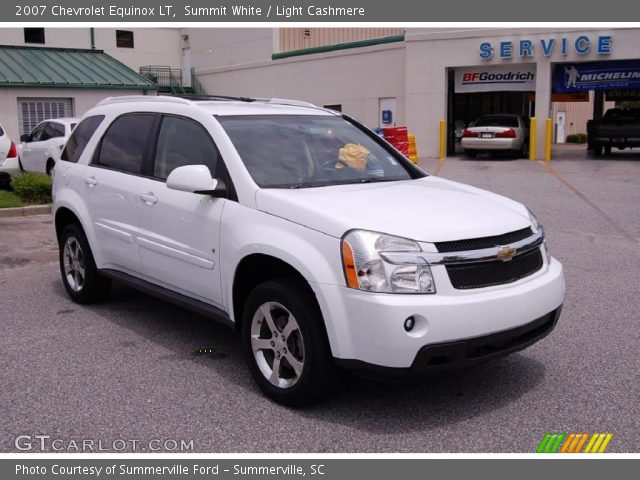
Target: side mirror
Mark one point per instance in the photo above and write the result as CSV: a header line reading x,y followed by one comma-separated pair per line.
x,y
195,179
25,138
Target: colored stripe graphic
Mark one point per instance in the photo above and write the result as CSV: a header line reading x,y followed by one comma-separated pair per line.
x,y
554,442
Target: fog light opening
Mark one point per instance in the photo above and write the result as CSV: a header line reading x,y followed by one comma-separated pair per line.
x,y
409,323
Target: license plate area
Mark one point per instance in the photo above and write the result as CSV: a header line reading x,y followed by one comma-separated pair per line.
x,y
486,135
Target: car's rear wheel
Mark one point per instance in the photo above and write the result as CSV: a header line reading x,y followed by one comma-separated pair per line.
x,y
78,268
285,343
524,150
471,153
607,150
51,164
597,150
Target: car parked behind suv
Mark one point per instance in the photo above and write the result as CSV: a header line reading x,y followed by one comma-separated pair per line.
x,y
41,148
322,245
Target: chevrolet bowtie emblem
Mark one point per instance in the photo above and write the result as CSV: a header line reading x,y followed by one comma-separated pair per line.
x,y
506,253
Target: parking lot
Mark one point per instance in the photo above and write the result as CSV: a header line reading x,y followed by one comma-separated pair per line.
x,y
131,368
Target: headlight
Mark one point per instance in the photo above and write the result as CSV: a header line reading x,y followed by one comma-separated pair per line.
x,y
534,220
536,227
365,269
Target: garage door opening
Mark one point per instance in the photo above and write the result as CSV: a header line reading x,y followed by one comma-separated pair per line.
x,y
477,91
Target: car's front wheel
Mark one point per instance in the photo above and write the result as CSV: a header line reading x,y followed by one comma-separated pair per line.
x,y
78,268
285,343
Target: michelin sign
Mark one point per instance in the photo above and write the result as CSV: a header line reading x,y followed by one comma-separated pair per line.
x,y
576,77
515,78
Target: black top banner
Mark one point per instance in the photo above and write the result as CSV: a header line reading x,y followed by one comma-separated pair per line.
x,y
368,11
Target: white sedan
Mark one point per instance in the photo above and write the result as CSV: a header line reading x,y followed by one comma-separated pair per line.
x,y
501,132
9,164
40,149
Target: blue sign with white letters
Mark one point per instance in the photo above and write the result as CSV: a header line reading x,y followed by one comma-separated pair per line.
x,y
387,116
577,77
525,48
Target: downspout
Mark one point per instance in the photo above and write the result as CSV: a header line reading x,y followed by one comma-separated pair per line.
x,y
92,33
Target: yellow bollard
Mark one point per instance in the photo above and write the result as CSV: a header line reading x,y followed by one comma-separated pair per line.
x,y
547,140
443,139
533,136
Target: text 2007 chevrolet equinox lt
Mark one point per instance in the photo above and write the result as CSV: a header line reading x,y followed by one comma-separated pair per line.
x,y
302,229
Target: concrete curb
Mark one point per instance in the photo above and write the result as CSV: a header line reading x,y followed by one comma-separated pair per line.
x,y
25,211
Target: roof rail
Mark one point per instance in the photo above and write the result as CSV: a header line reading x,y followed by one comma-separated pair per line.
x,y
197,97
277,101
144,98
286,101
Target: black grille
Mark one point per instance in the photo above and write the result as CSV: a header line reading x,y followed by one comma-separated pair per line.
x,y
484,242
494,272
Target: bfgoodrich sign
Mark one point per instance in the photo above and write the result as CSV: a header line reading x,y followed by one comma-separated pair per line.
x,y
519,78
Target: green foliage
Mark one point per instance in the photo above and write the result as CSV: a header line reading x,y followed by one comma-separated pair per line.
x,y
577,138
32,188
9,199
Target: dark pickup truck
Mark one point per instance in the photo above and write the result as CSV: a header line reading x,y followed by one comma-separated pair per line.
x,y
619,128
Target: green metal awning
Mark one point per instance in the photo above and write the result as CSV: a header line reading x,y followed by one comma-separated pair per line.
x,y
66,68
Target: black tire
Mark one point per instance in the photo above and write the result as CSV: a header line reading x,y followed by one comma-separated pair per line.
x,y
607,150
51,164
524,150
92,287
597,150
471,153
318,373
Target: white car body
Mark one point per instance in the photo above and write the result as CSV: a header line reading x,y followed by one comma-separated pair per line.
x,y
192,244
47,140
9,164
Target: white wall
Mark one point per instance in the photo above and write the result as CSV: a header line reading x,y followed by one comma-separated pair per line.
x,y
152,46
224,47
83,100
356,79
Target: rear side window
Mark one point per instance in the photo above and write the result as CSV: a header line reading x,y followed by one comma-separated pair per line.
x,y
497,121
54,130
124,146
1,132
80,137
183,142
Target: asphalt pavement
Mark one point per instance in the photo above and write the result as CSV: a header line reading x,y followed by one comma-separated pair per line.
x,y
131,368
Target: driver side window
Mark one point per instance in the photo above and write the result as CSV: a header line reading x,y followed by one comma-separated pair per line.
x,y
183,142
38,134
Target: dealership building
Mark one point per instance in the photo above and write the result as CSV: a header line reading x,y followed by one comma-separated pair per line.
x,y
420,77
429,79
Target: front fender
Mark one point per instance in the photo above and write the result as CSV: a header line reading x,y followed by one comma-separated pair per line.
x,y
245,231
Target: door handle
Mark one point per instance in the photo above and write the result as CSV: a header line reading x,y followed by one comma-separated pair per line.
x,y
149,198
91,181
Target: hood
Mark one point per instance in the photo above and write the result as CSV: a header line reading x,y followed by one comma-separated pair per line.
x,y
430,209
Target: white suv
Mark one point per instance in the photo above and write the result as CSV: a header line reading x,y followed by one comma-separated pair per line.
x,y
305,231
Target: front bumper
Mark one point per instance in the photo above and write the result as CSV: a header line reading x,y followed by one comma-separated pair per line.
x,y
369,328
465,353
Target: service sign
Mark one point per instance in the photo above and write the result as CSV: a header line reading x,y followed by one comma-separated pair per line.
x,y
518,78
575,77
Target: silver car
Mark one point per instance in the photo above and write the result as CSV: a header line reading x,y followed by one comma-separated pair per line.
x,y
499,132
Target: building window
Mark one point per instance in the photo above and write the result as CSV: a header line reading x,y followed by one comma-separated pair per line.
x,y
32,111
124,38
34,35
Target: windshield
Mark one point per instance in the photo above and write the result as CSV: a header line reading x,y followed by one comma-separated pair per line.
x,y
497,121
297,151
